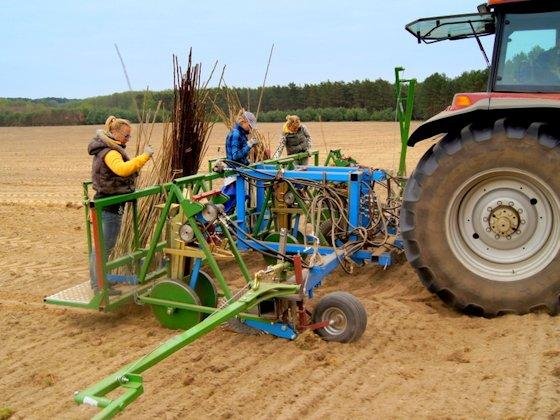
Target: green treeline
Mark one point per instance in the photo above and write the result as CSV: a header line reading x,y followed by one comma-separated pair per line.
x,y
364,100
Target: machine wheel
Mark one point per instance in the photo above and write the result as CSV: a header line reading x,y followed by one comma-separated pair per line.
x,y
174,318
326,230
481,219
206,291
346,315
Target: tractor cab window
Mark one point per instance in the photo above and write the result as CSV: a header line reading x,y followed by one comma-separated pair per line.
x,y
529,59
441,28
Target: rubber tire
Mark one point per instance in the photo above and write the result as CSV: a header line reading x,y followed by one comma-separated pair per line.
x,y
326,229
532,147
353,310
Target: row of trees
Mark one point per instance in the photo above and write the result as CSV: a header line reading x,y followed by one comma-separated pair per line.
x,y
328,101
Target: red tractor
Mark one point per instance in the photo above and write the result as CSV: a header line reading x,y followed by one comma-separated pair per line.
x,y
481,212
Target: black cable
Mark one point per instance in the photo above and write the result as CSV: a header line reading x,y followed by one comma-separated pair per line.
x,y
249,235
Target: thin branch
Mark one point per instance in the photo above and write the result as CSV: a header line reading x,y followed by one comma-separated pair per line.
x,y
264,82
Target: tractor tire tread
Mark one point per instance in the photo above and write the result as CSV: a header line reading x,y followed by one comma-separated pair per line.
x,y
447,148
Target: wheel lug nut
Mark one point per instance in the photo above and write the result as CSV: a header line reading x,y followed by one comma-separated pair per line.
x,y
485,219
499,203
522,221
510,203
497,236
508,237
489,208
488,229
518,232
520,211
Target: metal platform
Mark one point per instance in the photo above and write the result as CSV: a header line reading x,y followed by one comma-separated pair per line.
x,y
80,294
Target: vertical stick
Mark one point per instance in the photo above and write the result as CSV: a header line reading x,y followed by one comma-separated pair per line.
x,y
128,83
323,135
264,82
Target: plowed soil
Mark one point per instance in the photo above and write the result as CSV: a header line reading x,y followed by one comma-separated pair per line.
x,y
417,357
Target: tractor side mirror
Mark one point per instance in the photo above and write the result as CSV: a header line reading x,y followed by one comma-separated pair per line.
x,y
483,8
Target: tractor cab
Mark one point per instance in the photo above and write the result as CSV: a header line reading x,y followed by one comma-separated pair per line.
x,y
524,72
527,46
528,53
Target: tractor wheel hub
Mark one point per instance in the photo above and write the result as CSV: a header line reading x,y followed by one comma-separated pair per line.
x,y
503,220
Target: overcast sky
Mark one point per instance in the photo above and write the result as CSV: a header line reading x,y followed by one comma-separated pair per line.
x,y
66,48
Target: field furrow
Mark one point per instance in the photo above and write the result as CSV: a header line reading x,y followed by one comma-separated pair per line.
x,y
417,358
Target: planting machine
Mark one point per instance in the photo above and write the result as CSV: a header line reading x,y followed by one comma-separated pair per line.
x,y
305,220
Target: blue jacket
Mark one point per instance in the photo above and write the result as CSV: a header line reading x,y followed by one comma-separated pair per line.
x,y
237,148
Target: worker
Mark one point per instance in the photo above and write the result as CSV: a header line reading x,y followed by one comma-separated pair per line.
x,y
238,146
295,138
113,173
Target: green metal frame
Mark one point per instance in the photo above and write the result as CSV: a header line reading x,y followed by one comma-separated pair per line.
x,y
336,158
404,97
129,379
140,258
281,161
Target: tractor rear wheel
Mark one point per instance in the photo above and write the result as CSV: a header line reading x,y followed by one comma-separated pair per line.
x,y
481,218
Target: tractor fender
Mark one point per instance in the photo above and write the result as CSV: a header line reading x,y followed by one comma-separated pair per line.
x,y
486,110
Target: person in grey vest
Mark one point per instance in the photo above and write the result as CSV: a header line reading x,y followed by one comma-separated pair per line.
x,y
113,173
295,138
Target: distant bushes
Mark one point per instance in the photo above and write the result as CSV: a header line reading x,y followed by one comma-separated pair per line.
x,y
329,114
327,101
41,117
98,115
63,116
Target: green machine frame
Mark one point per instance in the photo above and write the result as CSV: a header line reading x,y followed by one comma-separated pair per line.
x,y
128,378
140,258
404,96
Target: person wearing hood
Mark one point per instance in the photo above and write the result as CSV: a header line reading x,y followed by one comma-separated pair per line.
x,y
295,138
113,173
238,146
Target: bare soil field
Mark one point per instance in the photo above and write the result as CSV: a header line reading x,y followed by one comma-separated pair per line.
x,y
417,358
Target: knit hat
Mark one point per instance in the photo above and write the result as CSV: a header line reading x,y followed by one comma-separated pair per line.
x,y
250,118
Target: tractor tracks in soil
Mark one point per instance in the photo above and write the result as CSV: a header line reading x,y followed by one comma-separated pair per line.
x,y
417,358
41,250
533,385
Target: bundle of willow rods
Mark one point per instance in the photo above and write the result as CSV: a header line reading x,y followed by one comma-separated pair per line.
x,y
183,145
191,128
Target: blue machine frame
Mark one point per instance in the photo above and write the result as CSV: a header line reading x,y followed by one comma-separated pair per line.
x,y
359,181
